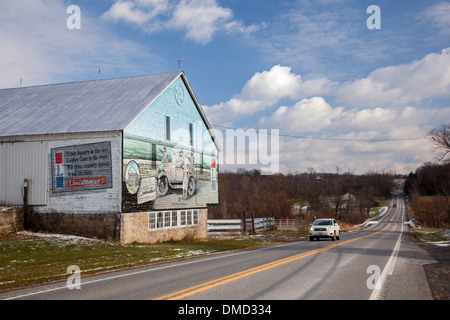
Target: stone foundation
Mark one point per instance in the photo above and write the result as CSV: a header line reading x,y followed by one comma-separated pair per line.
x,y
99,226
135,228
122,228
11,220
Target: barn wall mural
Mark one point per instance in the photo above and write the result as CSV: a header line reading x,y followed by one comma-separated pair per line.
x,y
169,158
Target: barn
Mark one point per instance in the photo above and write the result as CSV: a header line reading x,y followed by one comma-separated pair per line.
x,y
126,159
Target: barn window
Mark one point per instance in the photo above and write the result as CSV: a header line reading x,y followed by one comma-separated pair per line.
x,y
167,128
189,217
167,219
183,218
191,134
195,217
172,219
152,220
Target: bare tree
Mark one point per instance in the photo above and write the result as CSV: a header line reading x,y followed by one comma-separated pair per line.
x,y
441,140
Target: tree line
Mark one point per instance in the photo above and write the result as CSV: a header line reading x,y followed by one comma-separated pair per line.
x,y
344,196
428,190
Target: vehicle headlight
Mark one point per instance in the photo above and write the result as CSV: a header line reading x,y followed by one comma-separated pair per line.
x,y
328,228
311,229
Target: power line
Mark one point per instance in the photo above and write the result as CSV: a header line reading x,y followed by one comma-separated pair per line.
x,y
333,139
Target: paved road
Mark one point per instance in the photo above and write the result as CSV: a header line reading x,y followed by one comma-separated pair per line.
x,y
344,269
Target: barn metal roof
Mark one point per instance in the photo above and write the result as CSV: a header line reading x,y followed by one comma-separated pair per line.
x,y
89,106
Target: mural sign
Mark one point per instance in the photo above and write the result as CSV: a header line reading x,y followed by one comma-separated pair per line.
x,y
169,158
81,167
167,176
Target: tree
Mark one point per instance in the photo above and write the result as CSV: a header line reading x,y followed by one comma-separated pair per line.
x,y
429,194
441,141
325,194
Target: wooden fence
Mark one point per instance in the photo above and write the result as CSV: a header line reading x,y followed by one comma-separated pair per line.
x,y
237,227
287,224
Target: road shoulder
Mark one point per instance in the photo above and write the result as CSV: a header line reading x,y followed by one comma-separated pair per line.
x,y
426,261
438,273
409,280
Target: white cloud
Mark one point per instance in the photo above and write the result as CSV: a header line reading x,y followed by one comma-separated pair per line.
x,y
370,119
137,11
199,19
354,156
376,108
264,89
37,45
317,86
268,87
439,15
401,84
237,26
350,130
320,37
307,115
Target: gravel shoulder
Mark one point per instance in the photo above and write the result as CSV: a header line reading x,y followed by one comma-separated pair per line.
x,y
438,274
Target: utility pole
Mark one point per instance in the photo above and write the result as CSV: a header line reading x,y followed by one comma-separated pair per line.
x,y
244,220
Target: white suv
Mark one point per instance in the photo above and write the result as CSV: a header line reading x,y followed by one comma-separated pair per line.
x,y
324,228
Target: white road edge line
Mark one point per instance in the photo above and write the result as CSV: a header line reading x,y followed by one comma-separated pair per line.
x,y
388,268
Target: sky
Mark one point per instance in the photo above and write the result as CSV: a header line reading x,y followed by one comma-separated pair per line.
x,y
338,85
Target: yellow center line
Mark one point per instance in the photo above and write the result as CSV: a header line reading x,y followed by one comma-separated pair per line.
x,y
238,275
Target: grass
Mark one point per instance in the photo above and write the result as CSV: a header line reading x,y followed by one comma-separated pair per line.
x,y
375,211
431,234
427,234
27,259
287,234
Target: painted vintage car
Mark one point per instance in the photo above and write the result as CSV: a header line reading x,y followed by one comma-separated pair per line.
x,y
177,174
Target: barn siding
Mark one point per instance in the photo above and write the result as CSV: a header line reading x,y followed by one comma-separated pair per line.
x,y
131,115
20,161
146,136
89,201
